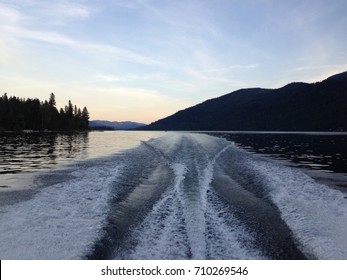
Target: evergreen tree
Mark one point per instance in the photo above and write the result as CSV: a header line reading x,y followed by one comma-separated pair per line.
x,y
51,101
19,114
85,118
69,111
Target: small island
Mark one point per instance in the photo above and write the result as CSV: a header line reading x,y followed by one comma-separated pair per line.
x,y
18,114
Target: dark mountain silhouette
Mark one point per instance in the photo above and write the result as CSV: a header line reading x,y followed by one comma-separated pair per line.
x,y
320,106
108,125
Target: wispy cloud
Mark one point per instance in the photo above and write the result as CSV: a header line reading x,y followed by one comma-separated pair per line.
x,y
205,76
231,68
140,52
185,16
220,74
9,15
134,4
65,41
320,67
26,18
68,9
128,78
314,73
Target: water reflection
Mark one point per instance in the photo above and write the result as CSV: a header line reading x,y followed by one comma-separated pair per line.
x,y
327,152
32,151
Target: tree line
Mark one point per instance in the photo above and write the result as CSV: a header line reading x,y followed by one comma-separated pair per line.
x,y
32,114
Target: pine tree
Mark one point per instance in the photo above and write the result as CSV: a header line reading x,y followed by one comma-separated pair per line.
x,y
85,118
19,114
51,101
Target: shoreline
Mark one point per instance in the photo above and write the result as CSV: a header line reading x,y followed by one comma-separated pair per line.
x,y
41,131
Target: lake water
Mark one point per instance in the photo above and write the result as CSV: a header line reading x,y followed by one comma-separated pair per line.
x,y
26,153
320,151
22,154
171,195
323,155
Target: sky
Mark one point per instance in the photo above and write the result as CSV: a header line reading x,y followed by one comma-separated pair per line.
x,y
142,60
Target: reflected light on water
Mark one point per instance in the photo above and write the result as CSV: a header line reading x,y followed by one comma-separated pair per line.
x,y
24,153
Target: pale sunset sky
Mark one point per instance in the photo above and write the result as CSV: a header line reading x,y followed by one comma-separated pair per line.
x,y
142,60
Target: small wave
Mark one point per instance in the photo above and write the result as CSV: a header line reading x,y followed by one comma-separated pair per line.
x,y
315,213
62,220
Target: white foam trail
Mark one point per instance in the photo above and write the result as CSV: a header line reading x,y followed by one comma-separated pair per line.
x,y
196,214
207,177
226,237
316,213
176,229
61,221
205,232
161,235
194,217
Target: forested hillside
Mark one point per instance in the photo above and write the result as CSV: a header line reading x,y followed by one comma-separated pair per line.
x,y
320,106
32,114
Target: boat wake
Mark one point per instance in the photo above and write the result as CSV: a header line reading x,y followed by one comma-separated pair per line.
x,y
180,196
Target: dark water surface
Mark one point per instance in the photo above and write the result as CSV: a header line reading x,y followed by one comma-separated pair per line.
x,y
27,152
319,151
157,195
24,153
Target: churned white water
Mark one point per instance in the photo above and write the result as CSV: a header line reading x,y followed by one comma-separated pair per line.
x,y
61,221
176,210
316,213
